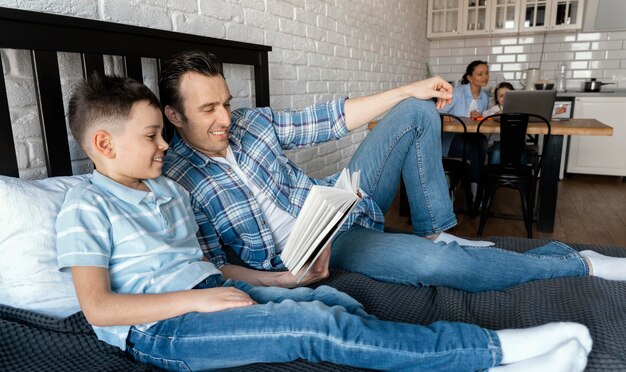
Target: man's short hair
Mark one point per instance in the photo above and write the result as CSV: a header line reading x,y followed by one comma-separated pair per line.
x,y
199,61
105,102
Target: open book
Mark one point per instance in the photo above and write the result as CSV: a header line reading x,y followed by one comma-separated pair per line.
x,y
324,211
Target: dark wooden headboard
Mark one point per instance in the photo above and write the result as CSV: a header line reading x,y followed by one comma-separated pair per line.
x,y
44,35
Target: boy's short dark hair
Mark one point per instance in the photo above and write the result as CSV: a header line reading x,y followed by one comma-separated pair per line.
x,y
199,61
106,101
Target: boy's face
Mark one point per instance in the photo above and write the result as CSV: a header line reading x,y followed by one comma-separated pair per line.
x,y
206,104
139,147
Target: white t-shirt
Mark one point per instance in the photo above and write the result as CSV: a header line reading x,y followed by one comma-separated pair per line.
x,y
473,106
280,222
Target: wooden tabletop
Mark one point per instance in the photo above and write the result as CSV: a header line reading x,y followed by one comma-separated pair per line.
x,y
575,127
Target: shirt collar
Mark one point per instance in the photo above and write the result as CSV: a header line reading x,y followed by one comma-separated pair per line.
x,y
127,194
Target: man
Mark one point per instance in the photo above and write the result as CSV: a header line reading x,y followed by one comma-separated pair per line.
x,y
246,194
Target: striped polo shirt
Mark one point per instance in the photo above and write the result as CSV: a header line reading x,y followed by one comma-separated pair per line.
x,y
147,240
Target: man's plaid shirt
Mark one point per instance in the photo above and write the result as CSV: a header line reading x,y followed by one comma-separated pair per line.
x,y
226,210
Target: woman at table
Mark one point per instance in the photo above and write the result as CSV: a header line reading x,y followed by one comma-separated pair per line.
x,y
470,100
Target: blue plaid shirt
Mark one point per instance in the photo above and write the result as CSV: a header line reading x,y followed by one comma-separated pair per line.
x,y
227,211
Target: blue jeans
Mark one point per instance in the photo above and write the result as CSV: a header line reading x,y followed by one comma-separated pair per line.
x,y
320,324
407,142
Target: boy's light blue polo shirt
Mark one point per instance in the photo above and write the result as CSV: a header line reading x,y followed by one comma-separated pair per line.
x,y
147,240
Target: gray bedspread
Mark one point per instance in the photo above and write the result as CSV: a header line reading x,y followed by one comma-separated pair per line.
x,y
30,341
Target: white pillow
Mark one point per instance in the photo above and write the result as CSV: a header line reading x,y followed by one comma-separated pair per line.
x,y
29,277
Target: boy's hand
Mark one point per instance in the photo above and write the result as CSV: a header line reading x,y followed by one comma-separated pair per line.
x,y
221,298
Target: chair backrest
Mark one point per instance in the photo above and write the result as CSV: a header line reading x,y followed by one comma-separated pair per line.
x,y
513,128
460,121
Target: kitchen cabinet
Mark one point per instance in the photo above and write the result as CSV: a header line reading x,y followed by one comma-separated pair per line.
x,y
472,17
599,155
490,16
444,18
449,18
551,15
505,16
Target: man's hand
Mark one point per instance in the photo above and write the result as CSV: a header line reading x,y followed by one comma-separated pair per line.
x,y
362,110
434,87
283,279
475,114
318,271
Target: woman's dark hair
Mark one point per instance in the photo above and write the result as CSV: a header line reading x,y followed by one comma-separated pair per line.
x,y
199,61
503,84
470,70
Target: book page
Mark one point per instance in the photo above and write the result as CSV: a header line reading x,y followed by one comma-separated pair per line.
x,y
323,212
326,239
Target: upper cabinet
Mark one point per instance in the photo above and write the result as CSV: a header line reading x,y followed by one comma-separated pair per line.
x,y
479,17
476,15
444,18
551,15
505,16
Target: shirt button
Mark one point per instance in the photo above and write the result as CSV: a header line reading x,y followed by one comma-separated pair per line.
x,y
262,222
251,194
272,255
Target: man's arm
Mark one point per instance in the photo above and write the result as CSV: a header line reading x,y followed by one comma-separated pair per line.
x,y
284,279
103,308
360,111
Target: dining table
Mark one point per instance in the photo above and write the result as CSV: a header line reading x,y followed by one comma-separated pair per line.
x,y
551,152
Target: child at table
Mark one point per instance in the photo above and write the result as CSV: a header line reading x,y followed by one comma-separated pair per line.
x,y
128,237
499,94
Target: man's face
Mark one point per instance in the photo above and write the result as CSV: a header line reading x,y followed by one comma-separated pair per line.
x,y
206,113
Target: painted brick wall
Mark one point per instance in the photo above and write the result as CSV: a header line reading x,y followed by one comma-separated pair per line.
x,y
322,49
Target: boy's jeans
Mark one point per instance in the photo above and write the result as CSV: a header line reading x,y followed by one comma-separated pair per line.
x,y
320,324
408,142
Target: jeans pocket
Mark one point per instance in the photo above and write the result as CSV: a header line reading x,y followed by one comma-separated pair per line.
x,y
168,364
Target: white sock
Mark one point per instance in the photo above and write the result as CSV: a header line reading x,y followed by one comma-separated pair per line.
x,y
567,357
526,343
448,238
606,267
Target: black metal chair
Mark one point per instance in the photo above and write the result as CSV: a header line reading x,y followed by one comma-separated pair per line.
x,y
458,169
516,170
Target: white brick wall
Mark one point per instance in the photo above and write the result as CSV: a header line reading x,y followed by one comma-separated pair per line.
x,y
322,49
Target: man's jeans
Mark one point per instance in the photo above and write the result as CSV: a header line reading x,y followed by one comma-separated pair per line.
x,y
408,142
320,324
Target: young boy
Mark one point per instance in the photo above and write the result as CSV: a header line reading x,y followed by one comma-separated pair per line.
x,y
128,237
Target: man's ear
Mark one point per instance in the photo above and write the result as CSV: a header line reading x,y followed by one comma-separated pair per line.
x,y
173,116
102,144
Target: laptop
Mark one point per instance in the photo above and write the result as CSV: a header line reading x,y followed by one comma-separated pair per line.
x,y
539,102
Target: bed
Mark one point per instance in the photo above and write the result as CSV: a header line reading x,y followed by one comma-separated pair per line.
x,y
35,340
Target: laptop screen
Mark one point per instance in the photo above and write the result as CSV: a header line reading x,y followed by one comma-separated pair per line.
x,y
539,102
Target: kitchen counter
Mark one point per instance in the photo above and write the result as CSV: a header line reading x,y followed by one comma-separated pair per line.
x,y
602,93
